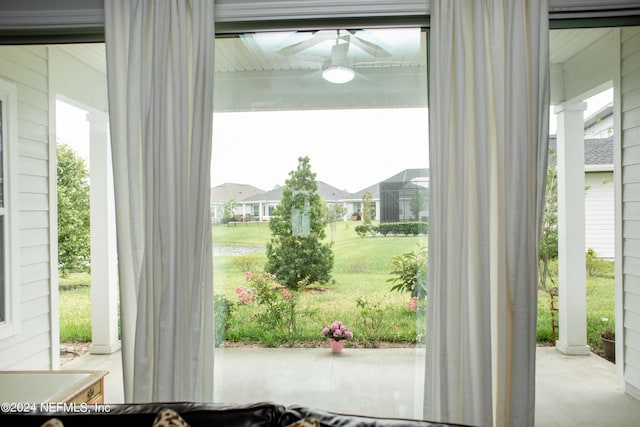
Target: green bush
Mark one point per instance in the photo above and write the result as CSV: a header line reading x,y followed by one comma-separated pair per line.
x,y
406,228
598,267
410,274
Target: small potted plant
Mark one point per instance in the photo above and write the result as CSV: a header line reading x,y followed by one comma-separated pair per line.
x,y
337,333
608,337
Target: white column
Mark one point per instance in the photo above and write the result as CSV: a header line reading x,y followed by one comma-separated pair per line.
x,y
104,285
572,295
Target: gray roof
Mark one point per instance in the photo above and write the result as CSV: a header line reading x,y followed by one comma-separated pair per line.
x,y
326,191
596,151
408,175
227,191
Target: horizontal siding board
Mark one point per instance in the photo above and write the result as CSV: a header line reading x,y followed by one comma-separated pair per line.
x,y
631,211
632,286
631,230
33,202
631,119
30,130
33,219
32,96
34,149
12,359
630,81
631,173
35,290
631,155
34,308
631,266
630,44
632,373
34,255
18,73
631,246
34,272
25,58
631,319
31,166
631,192
34,237
40,360
630,63
631,100
631,138
33,184
33,114
632,339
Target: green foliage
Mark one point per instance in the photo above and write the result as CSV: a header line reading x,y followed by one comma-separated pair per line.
x,y
370,321
548,250
299,259
228,210
333,214
75,314
277,307
223,311
365,230
410,272
417,204
406,228
368,208
74,238
598,267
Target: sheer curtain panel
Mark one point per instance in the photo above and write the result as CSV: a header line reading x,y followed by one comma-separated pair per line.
x,y
160,78
489,132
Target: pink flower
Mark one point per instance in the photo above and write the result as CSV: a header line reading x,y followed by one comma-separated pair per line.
x,y
413,304
247,275
286,294
348,334
244,295
325,331
337,333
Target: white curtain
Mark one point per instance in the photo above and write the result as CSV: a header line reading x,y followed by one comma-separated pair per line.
x,y
489,134
160,79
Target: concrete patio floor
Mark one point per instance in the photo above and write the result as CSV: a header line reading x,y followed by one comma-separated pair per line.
x,y
570,390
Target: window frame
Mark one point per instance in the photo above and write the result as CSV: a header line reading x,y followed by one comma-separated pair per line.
x,y
10,325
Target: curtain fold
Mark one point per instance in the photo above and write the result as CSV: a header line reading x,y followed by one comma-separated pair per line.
x,y
488,141
160,82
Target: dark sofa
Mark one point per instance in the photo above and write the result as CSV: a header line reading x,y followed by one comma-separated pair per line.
x,y
199,415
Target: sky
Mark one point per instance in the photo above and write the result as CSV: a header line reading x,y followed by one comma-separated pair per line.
x,y
349,149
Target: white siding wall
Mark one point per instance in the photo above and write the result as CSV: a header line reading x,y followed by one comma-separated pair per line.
x,y
27,67
599,214
630,123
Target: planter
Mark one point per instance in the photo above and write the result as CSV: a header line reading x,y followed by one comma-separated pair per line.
x,y
609,349
336,346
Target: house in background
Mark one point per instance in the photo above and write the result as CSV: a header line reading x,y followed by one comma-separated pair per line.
x,y
405,196
223,193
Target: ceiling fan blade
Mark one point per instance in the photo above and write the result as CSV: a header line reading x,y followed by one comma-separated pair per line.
x,y
372,49
317,38
339,53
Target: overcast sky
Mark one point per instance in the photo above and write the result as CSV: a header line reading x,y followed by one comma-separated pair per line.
x,y
349,149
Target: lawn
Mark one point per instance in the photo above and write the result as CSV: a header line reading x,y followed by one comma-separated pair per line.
x,y
358,294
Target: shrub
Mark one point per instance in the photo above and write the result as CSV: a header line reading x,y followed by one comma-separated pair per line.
x,y
223,310
410,272
598,267
370,320
406,228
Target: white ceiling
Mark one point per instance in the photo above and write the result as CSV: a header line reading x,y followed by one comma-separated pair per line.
x,y
251,75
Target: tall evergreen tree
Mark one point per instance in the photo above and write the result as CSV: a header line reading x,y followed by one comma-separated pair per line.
x,y
296,253
74,238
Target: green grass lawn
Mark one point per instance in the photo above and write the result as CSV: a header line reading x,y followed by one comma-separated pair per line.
x,y
361,268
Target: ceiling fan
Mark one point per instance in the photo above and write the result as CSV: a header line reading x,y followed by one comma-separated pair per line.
x,y
336,69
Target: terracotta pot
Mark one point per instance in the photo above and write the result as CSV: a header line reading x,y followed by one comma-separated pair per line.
x,y
336,346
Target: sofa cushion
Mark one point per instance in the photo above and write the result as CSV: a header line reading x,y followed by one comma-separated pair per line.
x,y
328,419
263,414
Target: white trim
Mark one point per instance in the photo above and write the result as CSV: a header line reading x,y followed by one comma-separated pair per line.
x,y
54,290
9,96
61,15
261,10
598,168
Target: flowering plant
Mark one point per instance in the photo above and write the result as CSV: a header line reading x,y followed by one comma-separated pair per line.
x,y
337,331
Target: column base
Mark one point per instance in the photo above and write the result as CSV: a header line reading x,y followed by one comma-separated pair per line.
x,y
573,350
105,348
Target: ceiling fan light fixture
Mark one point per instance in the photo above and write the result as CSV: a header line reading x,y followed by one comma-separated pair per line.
x,y
338,74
